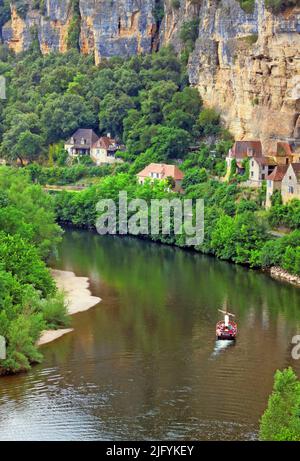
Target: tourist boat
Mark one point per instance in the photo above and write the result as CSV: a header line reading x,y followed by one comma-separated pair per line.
x,y
227,328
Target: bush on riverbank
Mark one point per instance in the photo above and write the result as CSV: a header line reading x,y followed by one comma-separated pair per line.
x,y
281,420
29,301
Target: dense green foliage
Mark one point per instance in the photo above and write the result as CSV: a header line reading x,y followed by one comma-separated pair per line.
x,y
66,175
247,5
285,215
28,299
281,420
284,252
4,12
74,27
188,35
275,6
279,5
144,101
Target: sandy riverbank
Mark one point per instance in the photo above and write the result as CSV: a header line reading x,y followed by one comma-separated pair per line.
x,y
78,297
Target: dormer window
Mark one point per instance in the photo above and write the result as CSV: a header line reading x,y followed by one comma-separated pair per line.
x,y
82,141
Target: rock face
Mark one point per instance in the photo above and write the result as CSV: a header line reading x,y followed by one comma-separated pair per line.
x,y
247,66
117,28
107,27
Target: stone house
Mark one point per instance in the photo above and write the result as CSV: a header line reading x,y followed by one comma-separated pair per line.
x,y
259,169
161,171
101,150
290,186
240,151
274,181
80,142
104,150
283,154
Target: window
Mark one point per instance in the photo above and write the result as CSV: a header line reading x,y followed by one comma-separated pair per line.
x,y
252,173
291,190
269,183
252,163
263,176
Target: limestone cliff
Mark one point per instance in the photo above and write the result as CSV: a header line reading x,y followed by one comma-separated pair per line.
x,y
245,65
248,67
107,27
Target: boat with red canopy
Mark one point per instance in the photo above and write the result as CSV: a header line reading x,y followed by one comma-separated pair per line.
x,y
227,328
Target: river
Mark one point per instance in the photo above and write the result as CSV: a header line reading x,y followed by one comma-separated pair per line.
x,y
143,363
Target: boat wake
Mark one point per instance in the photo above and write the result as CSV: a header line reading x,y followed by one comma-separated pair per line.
x,y
221,346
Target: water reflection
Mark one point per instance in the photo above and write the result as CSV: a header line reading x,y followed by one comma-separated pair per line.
x,y
143,364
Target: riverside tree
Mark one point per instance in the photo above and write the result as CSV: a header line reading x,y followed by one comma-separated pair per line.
x,y
281,420
29,301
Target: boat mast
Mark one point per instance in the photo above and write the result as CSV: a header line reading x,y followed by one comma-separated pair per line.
x,y
226,316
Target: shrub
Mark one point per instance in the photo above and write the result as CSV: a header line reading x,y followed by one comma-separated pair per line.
x,y
279,5
281,420
175,4
247,5
54,311
194,176
208,122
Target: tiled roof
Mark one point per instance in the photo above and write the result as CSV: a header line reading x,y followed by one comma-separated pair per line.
x,y
296,168
87,134
278,173
242,149
105,142
265,161
162,169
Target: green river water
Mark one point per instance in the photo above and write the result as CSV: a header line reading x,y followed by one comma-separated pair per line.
x,y
144,363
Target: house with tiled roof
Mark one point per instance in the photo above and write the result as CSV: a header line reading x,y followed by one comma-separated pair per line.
x,y
80,142
290,186
282,153
259,169
159,171
274,182
242,150
104,150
